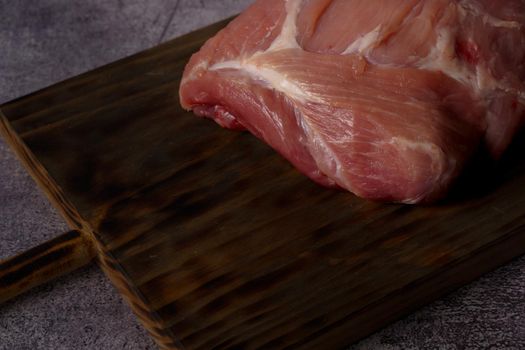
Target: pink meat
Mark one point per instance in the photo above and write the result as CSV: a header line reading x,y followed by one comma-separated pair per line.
x,y
386,98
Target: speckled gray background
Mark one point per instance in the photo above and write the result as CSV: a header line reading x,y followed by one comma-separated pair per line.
x,y
45,41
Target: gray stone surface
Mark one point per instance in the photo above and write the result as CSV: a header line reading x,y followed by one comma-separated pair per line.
x,y
45,41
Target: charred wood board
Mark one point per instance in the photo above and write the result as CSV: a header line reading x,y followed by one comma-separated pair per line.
x,y
217,242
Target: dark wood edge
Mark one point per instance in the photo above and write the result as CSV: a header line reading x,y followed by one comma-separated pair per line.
x,y
419,293
44,263
164,338
150,320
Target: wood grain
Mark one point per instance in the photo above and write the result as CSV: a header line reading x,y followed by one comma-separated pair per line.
x,y
44,263
217,242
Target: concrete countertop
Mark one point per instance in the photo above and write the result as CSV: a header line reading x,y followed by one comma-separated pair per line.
x,y
45,41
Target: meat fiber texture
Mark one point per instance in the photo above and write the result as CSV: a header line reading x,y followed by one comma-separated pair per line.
x,y
388,99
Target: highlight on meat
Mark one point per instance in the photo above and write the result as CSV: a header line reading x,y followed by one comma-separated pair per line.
x,y
388,99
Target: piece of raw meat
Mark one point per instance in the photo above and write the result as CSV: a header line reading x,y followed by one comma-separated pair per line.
x,y
386,98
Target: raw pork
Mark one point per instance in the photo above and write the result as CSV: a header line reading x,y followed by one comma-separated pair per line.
x,y
386,98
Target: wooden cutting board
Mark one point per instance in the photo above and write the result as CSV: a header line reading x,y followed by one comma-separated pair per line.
x,y
217,242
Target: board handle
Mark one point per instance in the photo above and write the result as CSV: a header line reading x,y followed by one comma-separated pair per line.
x,y
44,263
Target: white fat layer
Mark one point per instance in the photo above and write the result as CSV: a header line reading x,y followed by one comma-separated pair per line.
x,y
426,147
364,43
199,67
328,162
496,22
442,58
270,77
438,161
287,39
434,151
